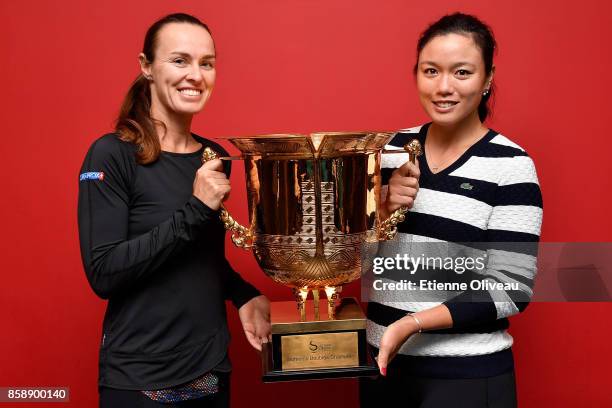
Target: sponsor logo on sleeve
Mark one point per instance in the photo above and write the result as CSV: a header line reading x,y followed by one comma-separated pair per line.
x,y
92,175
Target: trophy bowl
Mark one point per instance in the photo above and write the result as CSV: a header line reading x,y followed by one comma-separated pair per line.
x,y
313,201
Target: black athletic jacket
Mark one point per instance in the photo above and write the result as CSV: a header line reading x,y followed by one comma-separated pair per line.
x,y
156,252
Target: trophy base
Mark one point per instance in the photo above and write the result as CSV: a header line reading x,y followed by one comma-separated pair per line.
x,y
317,349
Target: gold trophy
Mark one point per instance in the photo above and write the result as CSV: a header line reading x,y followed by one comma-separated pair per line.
x,y
313,202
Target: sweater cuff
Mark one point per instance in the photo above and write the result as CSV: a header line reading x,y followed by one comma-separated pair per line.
x,y
192,217
471,308
243,294
200,209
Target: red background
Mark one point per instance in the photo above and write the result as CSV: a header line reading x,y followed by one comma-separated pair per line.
x,y
290,66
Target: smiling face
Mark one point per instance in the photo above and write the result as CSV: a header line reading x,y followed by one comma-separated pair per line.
x,y
182,74
451,79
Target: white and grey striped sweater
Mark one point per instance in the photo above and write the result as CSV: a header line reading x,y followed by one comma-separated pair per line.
x,y
490,196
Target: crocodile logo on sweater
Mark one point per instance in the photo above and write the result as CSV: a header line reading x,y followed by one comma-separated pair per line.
x,y
466,186
92,175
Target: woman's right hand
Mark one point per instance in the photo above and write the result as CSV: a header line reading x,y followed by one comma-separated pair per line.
x,y
393,338
211,185
403,187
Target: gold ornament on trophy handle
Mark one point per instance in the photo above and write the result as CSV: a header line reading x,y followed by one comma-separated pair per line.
x,y
388,227
241,237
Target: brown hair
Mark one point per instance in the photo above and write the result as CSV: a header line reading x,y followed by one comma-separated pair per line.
x,y
135,124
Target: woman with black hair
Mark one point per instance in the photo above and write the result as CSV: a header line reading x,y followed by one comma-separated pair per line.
x,y
478,195
151,239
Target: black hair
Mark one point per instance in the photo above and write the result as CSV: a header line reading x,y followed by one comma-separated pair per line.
x,y
459,23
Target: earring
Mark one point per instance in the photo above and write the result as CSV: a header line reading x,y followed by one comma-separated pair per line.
x,y
486,91
149,77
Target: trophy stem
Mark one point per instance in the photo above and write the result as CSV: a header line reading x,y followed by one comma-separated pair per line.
x,y
332,293
300,296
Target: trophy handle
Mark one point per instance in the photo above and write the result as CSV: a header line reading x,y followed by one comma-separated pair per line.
x,y
388,228
242,237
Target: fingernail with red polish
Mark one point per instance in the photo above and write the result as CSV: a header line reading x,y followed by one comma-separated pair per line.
x,y
383,371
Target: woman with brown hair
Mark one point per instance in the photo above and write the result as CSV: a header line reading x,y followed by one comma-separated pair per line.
x,y
151,239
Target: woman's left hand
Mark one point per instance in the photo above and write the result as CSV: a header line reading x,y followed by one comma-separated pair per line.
x,y
255,319
395,335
